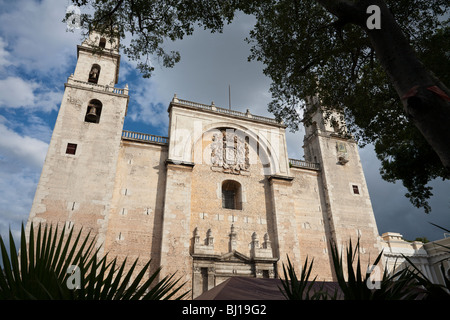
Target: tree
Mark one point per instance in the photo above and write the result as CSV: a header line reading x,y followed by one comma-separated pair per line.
x,y
422,239
338,60
388,82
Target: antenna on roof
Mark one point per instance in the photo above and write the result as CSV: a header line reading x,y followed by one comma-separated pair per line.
x,y
229,97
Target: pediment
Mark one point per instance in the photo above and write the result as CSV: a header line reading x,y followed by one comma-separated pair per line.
x,y
234,256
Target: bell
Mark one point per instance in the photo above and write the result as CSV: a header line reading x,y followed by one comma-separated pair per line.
x,y
92,114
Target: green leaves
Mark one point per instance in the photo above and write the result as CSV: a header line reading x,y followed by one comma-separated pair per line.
x,y
42,270
308,51
150,24
300,289
358,283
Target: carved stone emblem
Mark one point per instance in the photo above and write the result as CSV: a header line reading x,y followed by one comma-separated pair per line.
x,y
229,152
342,153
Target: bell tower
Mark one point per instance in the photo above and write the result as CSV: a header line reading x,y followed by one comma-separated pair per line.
x,y
346,197
76,184
98,61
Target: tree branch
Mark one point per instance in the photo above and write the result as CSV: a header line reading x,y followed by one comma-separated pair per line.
x,y
346,11
109,13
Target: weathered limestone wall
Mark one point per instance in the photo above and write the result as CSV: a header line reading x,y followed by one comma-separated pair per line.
x,y
135,222
312,225
176,236
207,211
287,239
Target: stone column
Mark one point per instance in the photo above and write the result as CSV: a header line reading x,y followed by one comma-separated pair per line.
x,y
286,242
176,235
233,240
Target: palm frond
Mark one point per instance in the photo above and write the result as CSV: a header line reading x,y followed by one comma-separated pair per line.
x,y
40,270
299,289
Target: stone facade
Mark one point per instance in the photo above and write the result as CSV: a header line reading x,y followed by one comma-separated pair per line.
x,y
426,257
218,197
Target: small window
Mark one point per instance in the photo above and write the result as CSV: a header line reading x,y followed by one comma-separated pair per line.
x,y
102,43
71,148
231,195
355,189
93,111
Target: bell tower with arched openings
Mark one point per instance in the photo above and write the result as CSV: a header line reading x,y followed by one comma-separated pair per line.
x,y
346,200
78,175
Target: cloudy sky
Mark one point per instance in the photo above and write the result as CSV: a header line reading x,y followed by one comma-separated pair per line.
x,y
37,55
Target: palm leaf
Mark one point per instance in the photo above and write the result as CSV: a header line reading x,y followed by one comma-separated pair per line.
x,y
399,285
299,289
39,270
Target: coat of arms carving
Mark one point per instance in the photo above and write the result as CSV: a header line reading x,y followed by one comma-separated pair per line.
x,y
229,152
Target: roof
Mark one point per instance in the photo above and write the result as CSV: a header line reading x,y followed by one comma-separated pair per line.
x,y
244,288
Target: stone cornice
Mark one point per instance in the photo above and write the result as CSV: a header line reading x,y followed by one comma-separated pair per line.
x,y
280,177
179,163
222,111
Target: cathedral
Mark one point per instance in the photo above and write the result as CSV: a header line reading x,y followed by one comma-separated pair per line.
x,y
218,197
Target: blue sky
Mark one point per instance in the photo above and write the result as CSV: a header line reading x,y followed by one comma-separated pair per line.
x,y
37,56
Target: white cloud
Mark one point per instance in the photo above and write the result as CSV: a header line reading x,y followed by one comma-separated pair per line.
x,y
18,93
36,127
294,142
4,54
21,160
17,190
209,64
146,108
18,150
36,35
48,100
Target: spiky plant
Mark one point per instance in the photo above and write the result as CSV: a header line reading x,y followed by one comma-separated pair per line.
x,y
41,270
357,285
303,288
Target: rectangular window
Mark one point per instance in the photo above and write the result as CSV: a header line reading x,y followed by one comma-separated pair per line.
x,y
71,148
355,189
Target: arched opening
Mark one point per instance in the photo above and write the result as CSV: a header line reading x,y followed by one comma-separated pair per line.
x,y
231,195
102,43
94,74
93,111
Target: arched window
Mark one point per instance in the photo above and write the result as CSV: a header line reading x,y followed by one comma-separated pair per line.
x,y
231,195
93,111
94,73
102,43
